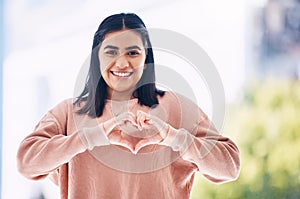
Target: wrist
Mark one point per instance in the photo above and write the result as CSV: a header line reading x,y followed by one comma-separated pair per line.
x,y
108,126
95,136
170,136
177,139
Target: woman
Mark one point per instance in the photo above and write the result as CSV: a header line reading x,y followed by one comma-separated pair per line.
x,y
122,137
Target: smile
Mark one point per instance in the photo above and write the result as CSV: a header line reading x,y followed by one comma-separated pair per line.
x,y
121,74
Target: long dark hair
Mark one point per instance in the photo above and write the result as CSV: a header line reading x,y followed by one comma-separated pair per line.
x,y
94,93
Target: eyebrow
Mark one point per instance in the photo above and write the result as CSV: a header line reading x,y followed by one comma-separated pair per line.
x,y
110,46
128,48
133,47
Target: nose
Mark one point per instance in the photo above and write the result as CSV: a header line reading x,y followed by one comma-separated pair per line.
x,y
122,62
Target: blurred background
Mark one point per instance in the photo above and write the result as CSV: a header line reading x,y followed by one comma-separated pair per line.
x,y
255,46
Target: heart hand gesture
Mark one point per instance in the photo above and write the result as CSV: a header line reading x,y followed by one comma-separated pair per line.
x,y
142,121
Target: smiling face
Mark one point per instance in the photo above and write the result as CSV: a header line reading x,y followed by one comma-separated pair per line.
x,y
122,58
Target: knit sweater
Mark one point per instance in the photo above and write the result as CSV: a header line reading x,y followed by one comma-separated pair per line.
x,y
56,149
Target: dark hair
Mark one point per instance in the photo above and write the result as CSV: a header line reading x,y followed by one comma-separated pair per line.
x,y
95,91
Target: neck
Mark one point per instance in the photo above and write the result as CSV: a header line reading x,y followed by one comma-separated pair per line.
x,y
120,96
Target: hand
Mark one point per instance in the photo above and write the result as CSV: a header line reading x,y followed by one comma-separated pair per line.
x,y
147,121
126,122
117,138
121,120
142,121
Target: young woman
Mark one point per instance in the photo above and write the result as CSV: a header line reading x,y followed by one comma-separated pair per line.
x,y
122,137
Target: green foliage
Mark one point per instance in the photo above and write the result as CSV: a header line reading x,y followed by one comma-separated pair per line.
x,y
266,128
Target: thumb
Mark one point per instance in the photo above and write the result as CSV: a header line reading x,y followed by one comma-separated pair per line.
x,y
140,144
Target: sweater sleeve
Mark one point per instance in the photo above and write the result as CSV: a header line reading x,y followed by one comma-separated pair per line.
x,y
216,157
47,147
198,141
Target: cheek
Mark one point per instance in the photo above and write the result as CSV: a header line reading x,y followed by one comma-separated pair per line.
x,y
140,71
104,69
138,64
104,63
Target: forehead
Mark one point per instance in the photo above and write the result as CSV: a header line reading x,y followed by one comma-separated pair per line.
x,y
122,38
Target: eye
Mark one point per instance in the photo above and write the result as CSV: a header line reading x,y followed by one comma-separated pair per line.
x,y
111,52
133,53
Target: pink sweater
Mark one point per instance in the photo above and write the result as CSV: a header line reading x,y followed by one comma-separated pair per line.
x,y
55,149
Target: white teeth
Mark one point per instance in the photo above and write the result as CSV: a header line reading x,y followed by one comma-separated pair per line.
x,y
121,74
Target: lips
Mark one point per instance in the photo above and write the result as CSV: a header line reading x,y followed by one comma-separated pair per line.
x,y
121,74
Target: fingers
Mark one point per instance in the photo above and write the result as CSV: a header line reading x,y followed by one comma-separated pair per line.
x,y
141,120
117,139
126,117
140,145
148,141
130,117
144,120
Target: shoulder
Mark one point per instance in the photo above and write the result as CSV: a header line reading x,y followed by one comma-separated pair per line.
x,y
61,111
180,105
62,107
176,99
